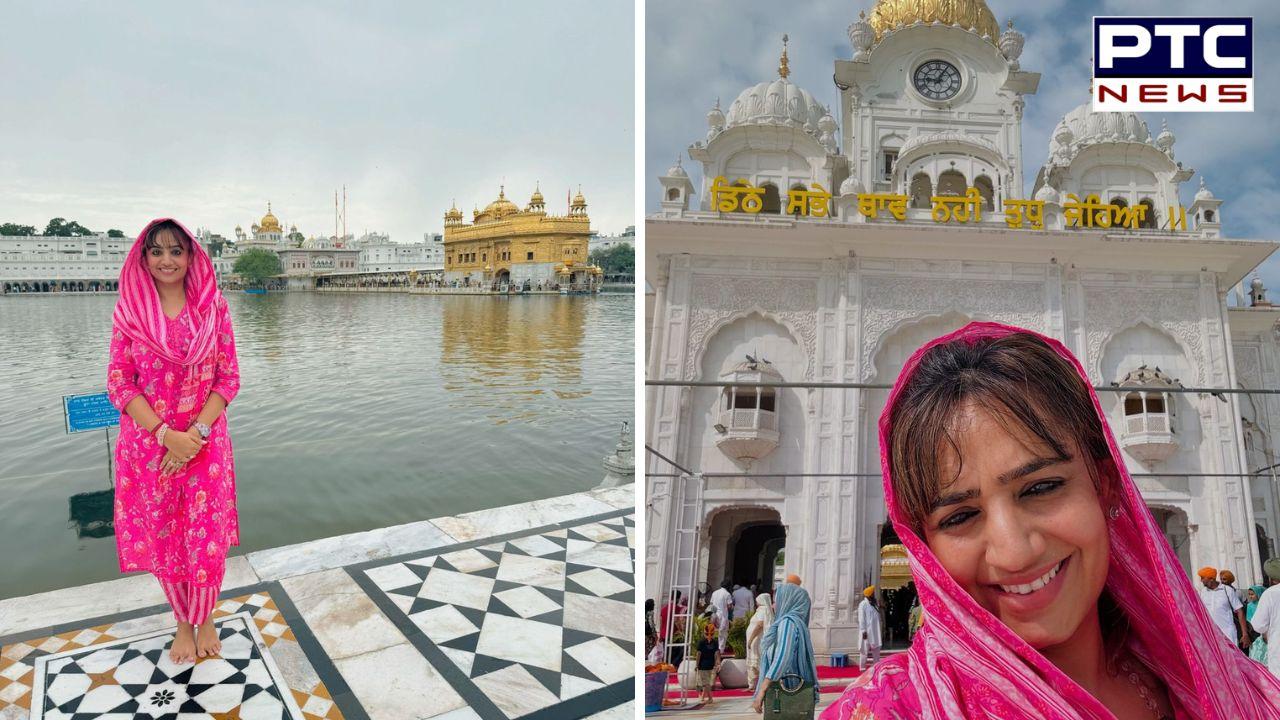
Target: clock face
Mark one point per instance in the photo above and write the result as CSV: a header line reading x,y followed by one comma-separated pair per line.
x,y
937,80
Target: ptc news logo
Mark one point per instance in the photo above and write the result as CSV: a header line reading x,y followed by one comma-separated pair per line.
x,y
1173,64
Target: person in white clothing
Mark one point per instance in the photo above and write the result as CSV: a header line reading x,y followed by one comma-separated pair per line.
x,y
1267,615
869,626
1225,608
743,601
722,600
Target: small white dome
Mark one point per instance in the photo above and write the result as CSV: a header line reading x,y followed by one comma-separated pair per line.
x,y
1047,194
776,102
1165,139
715,118
1204,193
1090,127
1063,133
850,186
677,170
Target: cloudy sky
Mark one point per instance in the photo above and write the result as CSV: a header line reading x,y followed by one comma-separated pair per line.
x,y
699,51
115,113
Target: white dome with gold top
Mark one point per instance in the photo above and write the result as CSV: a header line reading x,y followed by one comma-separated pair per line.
x,y
972,15
777,102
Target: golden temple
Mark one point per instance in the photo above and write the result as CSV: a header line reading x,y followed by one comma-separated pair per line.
x,y
505,245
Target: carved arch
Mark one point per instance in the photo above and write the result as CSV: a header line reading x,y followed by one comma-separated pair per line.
x,y
802,341
1095,363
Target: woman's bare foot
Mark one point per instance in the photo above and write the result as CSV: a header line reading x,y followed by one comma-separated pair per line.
x,y
207,642
183,649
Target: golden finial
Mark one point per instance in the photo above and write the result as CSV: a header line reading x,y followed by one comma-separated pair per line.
x,y
783,69
502,191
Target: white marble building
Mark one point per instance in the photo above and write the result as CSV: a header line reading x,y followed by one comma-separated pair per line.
x,y
43,263
929,109
606,242
379,254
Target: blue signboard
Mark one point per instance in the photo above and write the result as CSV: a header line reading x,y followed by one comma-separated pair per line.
x,y
89,412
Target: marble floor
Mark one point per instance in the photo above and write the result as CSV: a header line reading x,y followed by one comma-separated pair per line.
x,y
516,612
537,624
121,669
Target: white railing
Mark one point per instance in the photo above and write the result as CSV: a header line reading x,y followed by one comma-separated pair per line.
x,y
1147,423
749,419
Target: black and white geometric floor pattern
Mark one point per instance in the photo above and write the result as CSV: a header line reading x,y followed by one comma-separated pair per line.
x,y
134,678
539,625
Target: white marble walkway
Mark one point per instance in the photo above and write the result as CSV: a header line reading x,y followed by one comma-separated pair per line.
x,y
383,669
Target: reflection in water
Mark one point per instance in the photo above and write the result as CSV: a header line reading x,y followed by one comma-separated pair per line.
x,y
502,355
92,513
355,411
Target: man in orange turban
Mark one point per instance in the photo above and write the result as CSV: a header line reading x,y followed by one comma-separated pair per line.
x,y
869,624
794,579
1223,603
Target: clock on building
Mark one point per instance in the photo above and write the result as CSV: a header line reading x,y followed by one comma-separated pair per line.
x,y
937,80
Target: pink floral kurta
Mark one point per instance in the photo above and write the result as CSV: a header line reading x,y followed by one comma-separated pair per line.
x,y
180,526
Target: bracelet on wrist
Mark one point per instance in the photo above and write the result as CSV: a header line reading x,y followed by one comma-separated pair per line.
x,y
164,430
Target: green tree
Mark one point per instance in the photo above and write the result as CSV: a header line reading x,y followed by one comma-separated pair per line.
x,y
256,265
617,260
16,229
114,233
61,227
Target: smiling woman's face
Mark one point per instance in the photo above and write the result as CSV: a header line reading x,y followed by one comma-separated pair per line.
x,y
1021,529
167,258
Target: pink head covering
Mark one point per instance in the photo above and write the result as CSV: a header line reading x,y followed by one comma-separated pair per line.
x,y
139,316
965,663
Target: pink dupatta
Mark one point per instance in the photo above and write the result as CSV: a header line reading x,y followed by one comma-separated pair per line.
x,y
964,663
139,316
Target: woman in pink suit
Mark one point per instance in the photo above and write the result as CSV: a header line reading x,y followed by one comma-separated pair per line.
x,y
172,372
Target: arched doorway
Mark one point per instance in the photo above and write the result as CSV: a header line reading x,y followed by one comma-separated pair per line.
x,y
1173,523
895,590
742,544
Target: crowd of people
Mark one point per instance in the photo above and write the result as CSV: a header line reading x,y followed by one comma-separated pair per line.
x,y
778,648
1245,617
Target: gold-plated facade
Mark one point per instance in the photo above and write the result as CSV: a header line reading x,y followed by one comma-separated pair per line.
x,y
968,14
507,244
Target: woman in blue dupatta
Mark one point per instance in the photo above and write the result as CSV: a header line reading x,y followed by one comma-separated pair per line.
x,y
1258,649
786,648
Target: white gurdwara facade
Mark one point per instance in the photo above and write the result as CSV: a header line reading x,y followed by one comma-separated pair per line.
x,y
931,105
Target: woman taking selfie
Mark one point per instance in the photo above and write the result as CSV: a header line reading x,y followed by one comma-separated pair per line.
x,y
1048,590
172,373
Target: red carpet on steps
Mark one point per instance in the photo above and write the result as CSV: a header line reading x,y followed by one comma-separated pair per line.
x,y
824,674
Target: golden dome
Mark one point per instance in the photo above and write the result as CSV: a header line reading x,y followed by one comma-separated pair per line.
x,y
578,200
500,207
536,198
968,14
269,222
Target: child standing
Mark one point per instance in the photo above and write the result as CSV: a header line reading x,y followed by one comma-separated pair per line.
x,y
708,662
